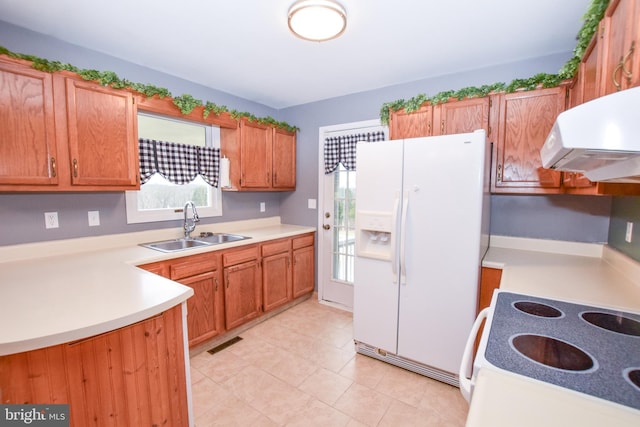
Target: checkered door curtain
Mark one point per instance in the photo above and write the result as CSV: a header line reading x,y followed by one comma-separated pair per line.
x,y
178,163
342,149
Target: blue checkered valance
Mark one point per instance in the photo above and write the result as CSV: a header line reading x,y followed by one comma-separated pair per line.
x,y
178,163
342,149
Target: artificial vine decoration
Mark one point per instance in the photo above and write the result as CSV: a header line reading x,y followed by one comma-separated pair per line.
x,y
185,103
591,18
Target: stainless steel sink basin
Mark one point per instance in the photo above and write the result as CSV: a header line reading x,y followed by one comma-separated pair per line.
x,y
175,245
217,238
205,239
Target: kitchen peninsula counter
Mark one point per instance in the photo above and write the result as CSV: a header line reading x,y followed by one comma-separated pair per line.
x,y
589,274
61,291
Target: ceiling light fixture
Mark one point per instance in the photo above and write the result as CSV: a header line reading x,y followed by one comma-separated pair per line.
x,y
317,20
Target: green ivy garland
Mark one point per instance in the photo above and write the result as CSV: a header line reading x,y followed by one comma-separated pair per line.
x,y
185,103
591,18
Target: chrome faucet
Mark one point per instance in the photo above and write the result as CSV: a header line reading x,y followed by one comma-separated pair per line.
x,y
188,228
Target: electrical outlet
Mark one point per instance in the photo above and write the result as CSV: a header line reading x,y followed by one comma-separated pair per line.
x,y
51,220
263,207
94,218
629,233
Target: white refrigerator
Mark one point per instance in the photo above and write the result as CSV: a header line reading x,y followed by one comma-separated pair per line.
x,y
422,228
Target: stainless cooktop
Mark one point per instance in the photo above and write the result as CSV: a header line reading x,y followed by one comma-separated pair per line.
x,y
588,349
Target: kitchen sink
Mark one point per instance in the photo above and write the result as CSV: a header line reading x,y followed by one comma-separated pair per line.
x,y
205,239
175,245
217,238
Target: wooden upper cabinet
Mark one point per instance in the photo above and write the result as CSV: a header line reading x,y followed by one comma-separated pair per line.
x,y
621,55
411,125
261,157
525,121
284,159
28,152
587,82
255,154
462,116
102,135
447,118
61,133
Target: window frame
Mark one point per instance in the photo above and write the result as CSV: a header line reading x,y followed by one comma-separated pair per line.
x,y
137,216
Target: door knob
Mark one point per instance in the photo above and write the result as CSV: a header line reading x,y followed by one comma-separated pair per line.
x,y
326,227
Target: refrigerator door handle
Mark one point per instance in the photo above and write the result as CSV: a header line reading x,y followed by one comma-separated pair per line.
x,y
394,239
466,365
403,238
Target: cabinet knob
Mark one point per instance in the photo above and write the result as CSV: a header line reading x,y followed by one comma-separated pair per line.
x,y
499,172
75,168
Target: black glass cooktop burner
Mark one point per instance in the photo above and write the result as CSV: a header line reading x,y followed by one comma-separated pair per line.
x,y
613,322
552,352
537,309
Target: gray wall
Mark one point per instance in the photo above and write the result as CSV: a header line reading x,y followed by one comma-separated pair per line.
x,y
22,220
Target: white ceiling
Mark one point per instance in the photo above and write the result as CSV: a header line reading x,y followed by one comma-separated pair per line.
x,y
243,47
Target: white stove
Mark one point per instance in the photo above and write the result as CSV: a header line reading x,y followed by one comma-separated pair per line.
x,y
587,349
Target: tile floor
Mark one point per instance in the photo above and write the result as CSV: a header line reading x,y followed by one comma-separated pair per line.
x,y
299,368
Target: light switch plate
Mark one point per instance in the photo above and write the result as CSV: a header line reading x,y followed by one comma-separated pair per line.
x,y
628,235
263,207
311,203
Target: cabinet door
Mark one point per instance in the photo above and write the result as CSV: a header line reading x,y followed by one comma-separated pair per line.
x,y
102,135
591,69
204,308
276,280
411,125
525,121
255,155
242,293
284,159
27,126
620,23
303,271
461,116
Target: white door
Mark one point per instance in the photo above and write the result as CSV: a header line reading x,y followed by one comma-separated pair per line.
x,y
336,221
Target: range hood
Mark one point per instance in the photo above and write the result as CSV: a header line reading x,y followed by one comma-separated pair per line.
x,y
600,138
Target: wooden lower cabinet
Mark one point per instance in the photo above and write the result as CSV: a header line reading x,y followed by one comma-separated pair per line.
x,y
242,286
489,282
303,265
276,273
234,286
205,309
132,376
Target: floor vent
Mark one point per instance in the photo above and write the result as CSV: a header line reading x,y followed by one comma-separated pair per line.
x,y
224,345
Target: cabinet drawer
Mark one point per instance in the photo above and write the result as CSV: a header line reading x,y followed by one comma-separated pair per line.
x,y
300,242
240,255
192,265
276,247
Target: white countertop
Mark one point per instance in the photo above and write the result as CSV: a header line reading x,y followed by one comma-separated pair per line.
x,y
92,285
584,273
